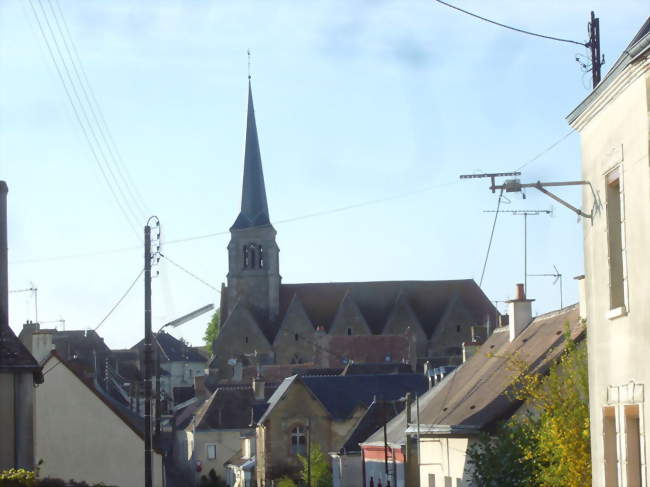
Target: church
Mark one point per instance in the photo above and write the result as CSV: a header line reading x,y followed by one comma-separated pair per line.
x,y
279,323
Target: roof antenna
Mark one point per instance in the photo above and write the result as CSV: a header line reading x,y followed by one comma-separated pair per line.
x,y
248,52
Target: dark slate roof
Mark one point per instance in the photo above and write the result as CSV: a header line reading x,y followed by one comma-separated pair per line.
x,y
174,350
475,394
14,355
371,421
378,368
231,407
254,209
429,300
341,395
639,44
183,393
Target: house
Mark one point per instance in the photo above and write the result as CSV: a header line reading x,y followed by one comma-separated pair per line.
x,y
179,363
613,125
240,469
83,434
319,410
472,399
19,373
282,322
213,435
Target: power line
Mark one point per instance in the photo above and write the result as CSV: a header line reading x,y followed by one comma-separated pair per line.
x,y
190,273
75,109
105,132
516,29
548,149
119,300
494,224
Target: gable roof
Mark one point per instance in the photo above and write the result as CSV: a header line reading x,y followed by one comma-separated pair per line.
x,y
373,419
231,407
341,395
474,396
14,355
375,300
173,349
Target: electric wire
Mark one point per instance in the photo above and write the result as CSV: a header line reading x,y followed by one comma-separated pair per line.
x,y
119,301
548,149
505,26
494,224
190,273
87,107
78,117
97,112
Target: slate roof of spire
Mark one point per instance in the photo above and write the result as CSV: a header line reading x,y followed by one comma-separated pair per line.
x,y
254,209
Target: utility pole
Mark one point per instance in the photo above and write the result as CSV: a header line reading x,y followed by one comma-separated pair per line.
x,y
309,452
525,214
594,46
148,258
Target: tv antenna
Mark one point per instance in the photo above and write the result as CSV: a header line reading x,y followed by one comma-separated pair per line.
x,y
558,277
525,214
31,289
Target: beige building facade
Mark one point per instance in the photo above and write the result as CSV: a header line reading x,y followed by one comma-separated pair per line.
x,y
614,133
80,436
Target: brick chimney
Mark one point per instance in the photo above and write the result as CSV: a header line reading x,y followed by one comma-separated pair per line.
x,y
520,312
258,388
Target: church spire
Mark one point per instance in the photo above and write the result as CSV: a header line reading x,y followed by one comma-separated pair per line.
x,y
254,209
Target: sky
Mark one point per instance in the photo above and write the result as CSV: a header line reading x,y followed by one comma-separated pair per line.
x,y
367,113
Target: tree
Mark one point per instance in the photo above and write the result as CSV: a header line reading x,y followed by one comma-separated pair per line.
x,y
212,330
550,444
321,473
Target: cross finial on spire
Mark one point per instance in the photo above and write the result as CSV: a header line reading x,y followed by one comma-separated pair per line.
x,y
248,52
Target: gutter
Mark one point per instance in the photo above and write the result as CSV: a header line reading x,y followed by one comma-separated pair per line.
x,y
627,57
443,429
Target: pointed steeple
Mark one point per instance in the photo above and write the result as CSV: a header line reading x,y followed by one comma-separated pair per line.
x,y
254,209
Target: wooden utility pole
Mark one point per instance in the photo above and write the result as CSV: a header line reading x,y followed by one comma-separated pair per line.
x,y
147,357
594,46
148,365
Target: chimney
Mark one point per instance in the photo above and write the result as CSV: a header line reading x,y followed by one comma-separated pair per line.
x,y
408,399
4,262
199,387
469,349
258,388
520,312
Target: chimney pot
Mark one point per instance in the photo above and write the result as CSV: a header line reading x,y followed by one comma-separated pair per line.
x,y
520,292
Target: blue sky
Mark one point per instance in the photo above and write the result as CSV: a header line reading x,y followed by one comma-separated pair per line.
x,y
356,101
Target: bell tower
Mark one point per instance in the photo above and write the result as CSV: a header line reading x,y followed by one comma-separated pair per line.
x,y
253,260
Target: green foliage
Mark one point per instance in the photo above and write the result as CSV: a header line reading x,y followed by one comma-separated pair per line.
x,y
212,480
25,478
212,330
321,473
549,445
286,481
17,478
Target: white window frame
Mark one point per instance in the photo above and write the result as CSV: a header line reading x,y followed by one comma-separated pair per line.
x,y
207,451
623,310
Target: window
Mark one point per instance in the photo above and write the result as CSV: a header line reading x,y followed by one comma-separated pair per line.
x,y
457,328
295,337
349,331
616,240
245,339
261,254
633,444
211,451
610,450
298,441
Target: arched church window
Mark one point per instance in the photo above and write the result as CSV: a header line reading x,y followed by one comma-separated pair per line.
x,y
245,339
261,254
298,440
295,337
251,256
245,250
349,331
